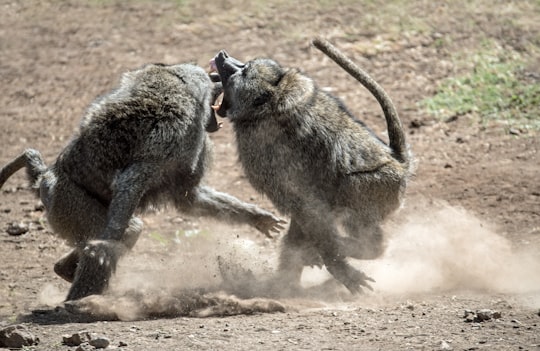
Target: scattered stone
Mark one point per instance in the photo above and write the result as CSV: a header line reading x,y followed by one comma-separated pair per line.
x,y
482,315
100,342
122,344
17,336
77,338
514,131
445,346
486,315
86,341
17,228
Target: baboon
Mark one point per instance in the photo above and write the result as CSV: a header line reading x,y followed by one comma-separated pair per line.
x,y
316,162
143,144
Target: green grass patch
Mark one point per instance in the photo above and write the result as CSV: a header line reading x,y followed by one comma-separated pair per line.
x,y
494,89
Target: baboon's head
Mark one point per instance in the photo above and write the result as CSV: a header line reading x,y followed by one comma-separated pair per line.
x,y
172,83
258,88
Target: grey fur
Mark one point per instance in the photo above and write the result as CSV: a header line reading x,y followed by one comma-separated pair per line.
x,y
302,148
143,144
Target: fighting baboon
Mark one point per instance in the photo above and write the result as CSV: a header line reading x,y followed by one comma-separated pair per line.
x,y
303,148
144,144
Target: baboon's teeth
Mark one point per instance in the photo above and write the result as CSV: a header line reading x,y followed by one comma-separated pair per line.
x,y
217,103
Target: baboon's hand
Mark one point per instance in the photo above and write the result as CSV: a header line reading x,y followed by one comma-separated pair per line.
x,y
267,223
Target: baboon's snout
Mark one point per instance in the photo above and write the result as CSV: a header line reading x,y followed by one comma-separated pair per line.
x,y
225,65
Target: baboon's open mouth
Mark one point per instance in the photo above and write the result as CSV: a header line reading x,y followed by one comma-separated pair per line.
x,y
213,124
225,66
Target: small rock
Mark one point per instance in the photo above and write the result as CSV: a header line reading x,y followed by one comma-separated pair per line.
x,y
76,339
17,228
445,346
17,336
514,131
100,342
122,344
481,315
486,315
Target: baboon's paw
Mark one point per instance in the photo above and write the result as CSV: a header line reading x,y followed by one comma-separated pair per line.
x,y
267,224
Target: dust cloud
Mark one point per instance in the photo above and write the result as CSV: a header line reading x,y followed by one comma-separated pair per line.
x,y
432,248
437,247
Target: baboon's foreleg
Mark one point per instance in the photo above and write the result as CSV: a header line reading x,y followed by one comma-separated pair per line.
x,y
297,251
205,201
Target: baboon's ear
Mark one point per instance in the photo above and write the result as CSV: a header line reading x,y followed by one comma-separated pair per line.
x,y
293,90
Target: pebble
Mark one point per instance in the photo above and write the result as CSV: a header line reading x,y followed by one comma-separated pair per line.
x,y
17,336
445,346
76,339
100,342
17,228
86,341
481,315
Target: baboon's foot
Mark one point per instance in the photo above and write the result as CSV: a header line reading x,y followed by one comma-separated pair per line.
x,y
96,265
353,279
67,266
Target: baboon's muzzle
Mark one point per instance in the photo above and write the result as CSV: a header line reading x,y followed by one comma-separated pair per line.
x,y
226,66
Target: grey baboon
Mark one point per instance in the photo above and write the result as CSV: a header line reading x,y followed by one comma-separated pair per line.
x,y
306,151
144,144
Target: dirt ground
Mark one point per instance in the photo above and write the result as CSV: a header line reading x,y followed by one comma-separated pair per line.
x,y
466,240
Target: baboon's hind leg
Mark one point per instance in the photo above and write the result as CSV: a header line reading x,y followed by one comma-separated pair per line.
x,y
66,267
65,201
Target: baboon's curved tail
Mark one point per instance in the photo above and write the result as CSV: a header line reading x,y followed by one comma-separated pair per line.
x,y
32,160
395,129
